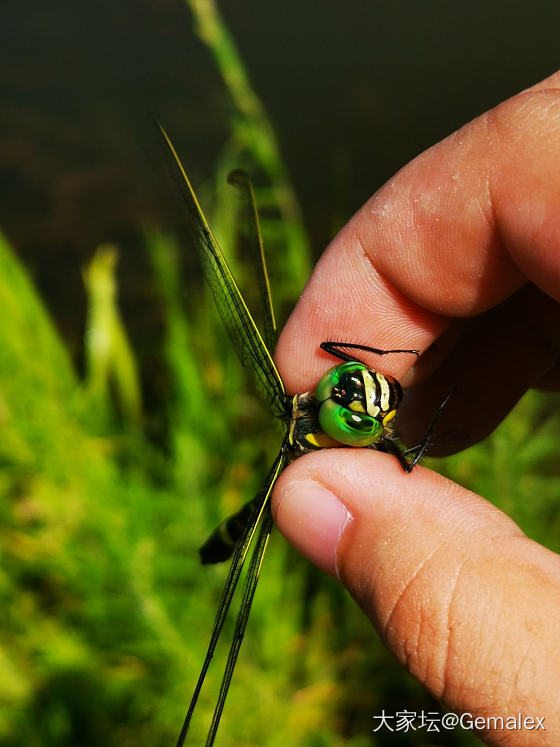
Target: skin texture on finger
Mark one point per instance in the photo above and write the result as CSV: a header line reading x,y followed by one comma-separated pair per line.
x,y
465,601
454,233
496,359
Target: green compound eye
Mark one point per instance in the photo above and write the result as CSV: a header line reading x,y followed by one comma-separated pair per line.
x,y
347,427
333,378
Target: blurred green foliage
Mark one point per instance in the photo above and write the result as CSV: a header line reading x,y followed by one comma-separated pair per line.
x,y
106,613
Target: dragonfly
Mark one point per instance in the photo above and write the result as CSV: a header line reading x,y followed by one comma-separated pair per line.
x,y
352,405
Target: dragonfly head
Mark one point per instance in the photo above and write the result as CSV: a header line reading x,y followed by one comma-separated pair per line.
x,y
356,403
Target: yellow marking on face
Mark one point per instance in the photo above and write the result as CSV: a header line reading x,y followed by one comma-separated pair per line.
x,y
356,406
390,415
385,397
320,440
370,392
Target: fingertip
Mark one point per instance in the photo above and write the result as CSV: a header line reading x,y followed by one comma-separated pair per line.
x,y
313,519
354,513
452,585
318,496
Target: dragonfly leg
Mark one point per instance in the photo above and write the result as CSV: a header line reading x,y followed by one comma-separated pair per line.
x,y
336,349
391,447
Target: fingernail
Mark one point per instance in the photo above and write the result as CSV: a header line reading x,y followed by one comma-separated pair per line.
x,y
313,520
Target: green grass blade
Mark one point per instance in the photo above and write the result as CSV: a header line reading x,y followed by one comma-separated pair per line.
x,y
110,362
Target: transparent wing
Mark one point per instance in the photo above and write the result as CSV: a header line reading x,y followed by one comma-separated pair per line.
x,y
259,515
242,618
240,325
253,239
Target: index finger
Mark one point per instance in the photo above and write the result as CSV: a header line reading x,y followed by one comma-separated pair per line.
x,y
454,233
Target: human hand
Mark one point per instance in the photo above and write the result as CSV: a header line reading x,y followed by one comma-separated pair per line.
x,y
470,228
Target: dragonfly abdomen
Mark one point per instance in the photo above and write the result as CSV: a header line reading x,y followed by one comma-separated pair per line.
x,y
221,543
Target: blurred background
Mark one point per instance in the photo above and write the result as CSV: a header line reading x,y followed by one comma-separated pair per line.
x,y
120,435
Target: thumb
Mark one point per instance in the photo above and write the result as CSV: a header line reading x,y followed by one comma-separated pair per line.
x,y
463,599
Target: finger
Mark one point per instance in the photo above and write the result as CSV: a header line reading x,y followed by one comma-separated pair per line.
x,y
490,365
454,233
456,591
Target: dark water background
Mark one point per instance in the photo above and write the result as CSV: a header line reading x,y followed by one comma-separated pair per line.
x,y
355,90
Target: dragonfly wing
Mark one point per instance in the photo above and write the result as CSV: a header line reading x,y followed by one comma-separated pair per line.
x,y
261,511
252,237
236,317
242,618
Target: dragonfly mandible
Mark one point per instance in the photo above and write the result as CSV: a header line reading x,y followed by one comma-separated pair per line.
x,y
352,405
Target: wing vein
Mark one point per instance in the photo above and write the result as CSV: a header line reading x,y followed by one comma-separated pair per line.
x,y
240,554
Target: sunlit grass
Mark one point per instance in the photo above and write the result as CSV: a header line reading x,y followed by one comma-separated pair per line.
x,y
106,609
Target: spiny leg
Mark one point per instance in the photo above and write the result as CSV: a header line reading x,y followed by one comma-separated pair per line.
x,y
334,348
392,448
